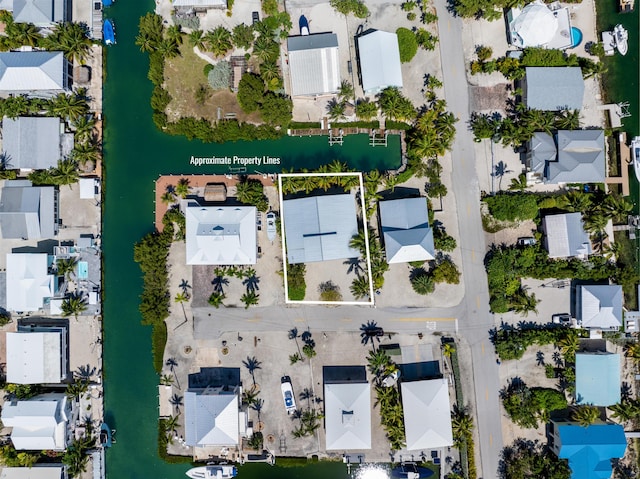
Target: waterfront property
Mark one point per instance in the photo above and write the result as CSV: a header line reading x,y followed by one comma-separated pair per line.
x,y
553,88
34,73
211,416
34,143
200,6
599,307
568,156
37,356
28,212
41,471
42,13
39,423
405,229
589,449
221,235
379,57
565,236
427,418
598,378
314,64
28,282
539,25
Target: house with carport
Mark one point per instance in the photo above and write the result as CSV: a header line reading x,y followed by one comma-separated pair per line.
x,y
405,229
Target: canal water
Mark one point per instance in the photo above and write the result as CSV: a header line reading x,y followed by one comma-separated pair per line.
x,y
135,154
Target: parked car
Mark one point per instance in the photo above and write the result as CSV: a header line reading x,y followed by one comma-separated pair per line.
x,y
526,241
287,394
564,319
255,17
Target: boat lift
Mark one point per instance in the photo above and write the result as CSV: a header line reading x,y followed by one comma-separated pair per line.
x,y
376,139
336,139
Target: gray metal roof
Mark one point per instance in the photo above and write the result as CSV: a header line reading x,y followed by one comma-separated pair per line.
x,y
39,12
565,235
542,149
554,88
405,227
27,211
211,419
31,142
580,157
319,228
314,63
379,61
600,306
41,73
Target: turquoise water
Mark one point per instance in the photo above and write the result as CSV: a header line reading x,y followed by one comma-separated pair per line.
x,y
576,37
83,270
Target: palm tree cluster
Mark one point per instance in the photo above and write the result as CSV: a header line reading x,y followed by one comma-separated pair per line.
x,y
379,266
626,410
585,415
76,455
337,106
391,415
462,428
249,280
73,305
310,420
150,33
251,192
295,184
395,106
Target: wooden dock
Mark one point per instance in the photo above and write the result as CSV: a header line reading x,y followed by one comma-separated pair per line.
x,y
624,153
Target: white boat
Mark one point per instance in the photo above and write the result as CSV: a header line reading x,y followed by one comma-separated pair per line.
x,y
635,155
271,225
622,36
213,472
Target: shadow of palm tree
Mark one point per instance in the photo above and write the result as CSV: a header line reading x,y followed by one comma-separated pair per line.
x,y
252,283
355,266
218,284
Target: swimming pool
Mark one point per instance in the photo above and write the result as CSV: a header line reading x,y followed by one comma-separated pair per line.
x,y
83,270
576,37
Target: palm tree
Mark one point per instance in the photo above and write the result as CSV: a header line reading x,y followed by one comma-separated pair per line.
x,y
219,41
585,415
174,33
595,223
70,38
176,401
249,396
448,349
346,91
626,410
379,362
461,425
196,39
293,334
617,207
182,189
632,351
336,109
77,388
366,109
250,298
73,306
84,153
422,282
69,106
169,48
391,181
171,425
84,127
519,183
360,287
216,299
181,297
264,48
568,346
166,380
172,363
269,70
575,200
252,364
66,267
23,34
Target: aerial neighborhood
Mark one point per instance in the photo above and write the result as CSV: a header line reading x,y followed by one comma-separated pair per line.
x,y
340,238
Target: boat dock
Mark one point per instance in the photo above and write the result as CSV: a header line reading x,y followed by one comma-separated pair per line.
x,y
624,156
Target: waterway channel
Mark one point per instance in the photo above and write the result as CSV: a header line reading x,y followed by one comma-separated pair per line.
x,y
135,154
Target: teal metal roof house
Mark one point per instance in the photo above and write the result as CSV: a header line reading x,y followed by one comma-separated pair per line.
x,y
598,378
590,449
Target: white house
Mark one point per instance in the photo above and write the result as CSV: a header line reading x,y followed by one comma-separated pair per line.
x,y
36,357
28,281
379,56
211,417
347,416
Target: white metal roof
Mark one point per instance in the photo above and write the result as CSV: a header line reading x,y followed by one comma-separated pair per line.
x,y
379,61
319,228
34,358
314,62
28,283
347,412
427,414
32,72
600,306
211,419
535,26
221,234
565,235
38,423
37,472
406,231
87,188
31,142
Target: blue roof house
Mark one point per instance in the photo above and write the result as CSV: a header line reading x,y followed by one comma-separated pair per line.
x,y
590,449
598,378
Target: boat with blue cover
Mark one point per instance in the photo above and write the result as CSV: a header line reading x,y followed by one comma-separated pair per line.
x,y
108,32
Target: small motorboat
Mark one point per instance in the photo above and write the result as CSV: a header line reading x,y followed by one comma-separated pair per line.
x,y
621,36
635,155
108,32
410,470
213,471
304,25
106,436
107,3
271,225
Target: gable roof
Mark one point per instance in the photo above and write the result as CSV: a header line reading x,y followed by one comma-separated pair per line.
x,y
314,63
379,56
554,88
565,235
28,281
221,234
542,150
406,231
597,378
347,409
319,228
590,449
37,472
211,419
580,157
38,423
31,142
39,12
600,306
34,357
27,211
41,73
427,417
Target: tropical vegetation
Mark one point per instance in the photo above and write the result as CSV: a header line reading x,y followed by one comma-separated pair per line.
x,y
511,343
531,459
527,407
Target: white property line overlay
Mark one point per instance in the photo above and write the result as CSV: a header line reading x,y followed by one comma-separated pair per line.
x,y
365,225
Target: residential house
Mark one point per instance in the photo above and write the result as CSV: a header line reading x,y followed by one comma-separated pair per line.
x,y
39,423
540,25
38,471
198,6
221,235
553,88
28,212
379,59
42,13
406,231
319,228
598,378
347,408
314,64
211,416
565,236
34,143
599,307
29,283
34,73
589,449
570,156
427,414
